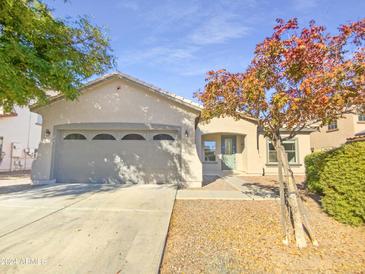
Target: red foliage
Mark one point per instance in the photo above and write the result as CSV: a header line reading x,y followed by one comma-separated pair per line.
x,y
296,78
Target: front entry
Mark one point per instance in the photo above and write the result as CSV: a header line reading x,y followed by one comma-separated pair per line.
x,y
229,149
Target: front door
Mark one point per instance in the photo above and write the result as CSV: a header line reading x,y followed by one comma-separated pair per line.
x,y
229,149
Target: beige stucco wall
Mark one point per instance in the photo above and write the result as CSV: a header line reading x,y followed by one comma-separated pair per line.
x,y
120,101
23,130
249,157
358,125
303,149
215,168
347,127
252,159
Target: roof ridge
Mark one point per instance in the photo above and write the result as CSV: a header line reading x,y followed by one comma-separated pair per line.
x,y
163,91
173,96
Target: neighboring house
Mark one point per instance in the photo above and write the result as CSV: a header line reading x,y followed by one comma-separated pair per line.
x,y
20,133
359,137
123,129
337,132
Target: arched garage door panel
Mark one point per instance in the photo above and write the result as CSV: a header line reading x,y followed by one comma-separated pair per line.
x,y
99,161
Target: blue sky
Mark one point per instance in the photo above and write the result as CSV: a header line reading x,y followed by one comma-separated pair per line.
x,y
172,44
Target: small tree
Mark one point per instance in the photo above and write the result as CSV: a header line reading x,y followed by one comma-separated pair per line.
x,y
39,53
296,79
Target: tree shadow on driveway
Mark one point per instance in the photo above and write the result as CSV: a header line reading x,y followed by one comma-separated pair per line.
x,y
69,190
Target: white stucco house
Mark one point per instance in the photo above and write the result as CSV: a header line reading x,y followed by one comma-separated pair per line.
x,y
121,129
20,133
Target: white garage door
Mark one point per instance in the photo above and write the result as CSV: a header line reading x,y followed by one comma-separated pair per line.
x,y
117,156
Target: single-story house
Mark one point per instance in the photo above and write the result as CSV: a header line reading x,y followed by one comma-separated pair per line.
x,y
121,129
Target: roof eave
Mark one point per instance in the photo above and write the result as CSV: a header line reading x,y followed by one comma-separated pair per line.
x,y
178,99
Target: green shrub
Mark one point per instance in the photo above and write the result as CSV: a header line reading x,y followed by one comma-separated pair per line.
x,y
314,164
342,179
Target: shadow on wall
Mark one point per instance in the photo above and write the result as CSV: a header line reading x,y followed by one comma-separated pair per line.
x,y
120,161
167,162
159,162
126,161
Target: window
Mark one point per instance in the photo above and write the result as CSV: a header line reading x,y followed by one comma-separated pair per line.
x,y
163,137
362,117
133,137
332,125
209,151
75,136
39,120
290,149
104,136
1,145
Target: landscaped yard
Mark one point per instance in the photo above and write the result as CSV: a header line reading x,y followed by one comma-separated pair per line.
x,y
210,236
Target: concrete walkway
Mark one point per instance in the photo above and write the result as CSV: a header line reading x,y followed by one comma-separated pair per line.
x,y
244,191
81,228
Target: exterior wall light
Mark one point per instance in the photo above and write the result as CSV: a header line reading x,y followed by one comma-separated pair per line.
x,y
48,133
186,133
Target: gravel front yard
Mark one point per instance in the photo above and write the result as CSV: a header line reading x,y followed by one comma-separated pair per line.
x,y
269,181
208,236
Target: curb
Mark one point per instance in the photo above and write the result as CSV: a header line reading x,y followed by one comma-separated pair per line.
x,y
167,232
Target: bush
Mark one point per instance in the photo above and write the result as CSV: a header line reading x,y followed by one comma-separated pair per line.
x,y
314,164
342,180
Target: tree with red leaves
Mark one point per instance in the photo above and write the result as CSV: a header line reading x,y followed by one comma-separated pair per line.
x,y
298,78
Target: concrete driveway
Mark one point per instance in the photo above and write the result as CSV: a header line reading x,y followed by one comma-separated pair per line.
x,y
80,228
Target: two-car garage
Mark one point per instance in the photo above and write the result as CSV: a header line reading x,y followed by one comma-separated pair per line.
x,y
117,156
120,129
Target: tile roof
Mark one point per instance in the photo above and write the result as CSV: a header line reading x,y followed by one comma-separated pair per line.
x,y
360,136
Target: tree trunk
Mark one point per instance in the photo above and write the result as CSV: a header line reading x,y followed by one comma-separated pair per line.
x,y
283,207
305,216
292,197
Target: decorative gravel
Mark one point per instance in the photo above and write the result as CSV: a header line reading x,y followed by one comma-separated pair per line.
x,y
207,236
269,181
